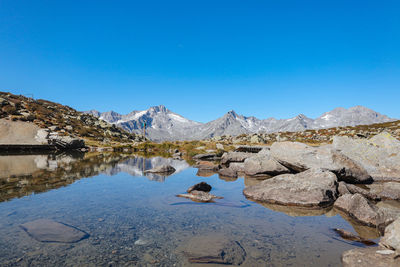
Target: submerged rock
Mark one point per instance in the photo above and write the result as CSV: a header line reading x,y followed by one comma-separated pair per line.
x,y
199,196
312,188
202,186
352,237
162,169
372,256
44,230
214,249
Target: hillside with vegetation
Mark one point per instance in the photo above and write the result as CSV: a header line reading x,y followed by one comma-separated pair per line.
x,y
63,120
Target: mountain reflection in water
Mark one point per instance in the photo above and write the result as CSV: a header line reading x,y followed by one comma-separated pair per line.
x,y
22,175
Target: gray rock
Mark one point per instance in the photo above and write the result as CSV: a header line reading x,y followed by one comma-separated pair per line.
x,y
342,189
387,190
199,196
354,189
206,156
44,230
263,164
363,211
391,238
235,157
300,157
237,166
312,188
227,172
219,146
372,256
214,249
162,169
380,155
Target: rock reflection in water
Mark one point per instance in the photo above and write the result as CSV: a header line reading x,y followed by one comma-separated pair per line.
x,y
22,175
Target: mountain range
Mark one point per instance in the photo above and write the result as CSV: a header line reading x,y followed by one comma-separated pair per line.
x,y
163,124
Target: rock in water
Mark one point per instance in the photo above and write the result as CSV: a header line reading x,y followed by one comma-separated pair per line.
x,y
215,249
203,186
373,256
199,196
44,230
228,172
312,188
162,169
364,211
391,238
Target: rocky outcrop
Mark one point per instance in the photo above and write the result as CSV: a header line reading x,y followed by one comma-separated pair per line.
x,y
380,155
311,188
44,230
299,157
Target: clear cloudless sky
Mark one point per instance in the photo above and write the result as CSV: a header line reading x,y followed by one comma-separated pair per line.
x,y
201,58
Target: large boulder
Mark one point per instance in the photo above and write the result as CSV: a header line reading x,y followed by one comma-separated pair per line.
x,y
299,157
205,156
391,238
68,142
235,157
363,211
263,164
311,188
44,230
372,256
380,155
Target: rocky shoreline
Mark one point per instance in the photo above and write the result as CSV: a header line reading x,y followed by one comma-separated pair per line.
x,y
351,175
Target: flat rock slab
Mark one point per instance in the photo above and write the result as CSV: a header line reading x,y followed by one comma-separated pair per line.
x,y
373,256
44,230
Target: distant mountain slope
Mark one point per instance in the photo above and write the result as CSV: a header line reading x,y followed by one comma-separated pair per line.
x,y
163,124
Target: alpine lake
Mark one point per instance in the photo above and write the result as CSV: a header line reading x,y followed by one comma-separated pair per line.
x,y
126,217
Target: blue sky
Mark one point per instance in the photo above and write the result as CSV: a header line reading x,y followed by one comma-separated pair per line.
x,y
203,58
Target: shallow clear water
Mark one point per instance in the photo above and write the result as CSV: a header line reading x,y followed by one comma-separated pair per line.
x,y
138,221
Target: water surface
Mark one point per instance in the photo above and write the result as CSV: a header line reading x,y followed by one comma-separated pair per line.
x,y
136,220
